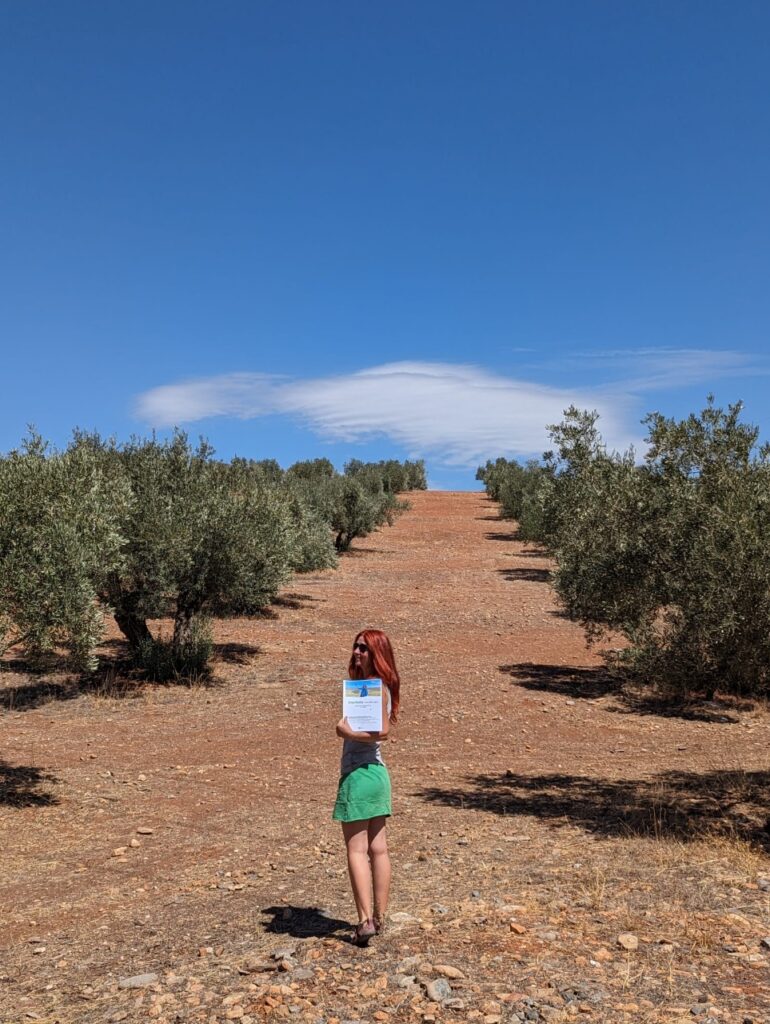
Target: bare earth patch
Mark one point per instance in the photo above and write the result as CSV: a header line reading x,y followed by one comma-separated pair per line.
x,y
560,851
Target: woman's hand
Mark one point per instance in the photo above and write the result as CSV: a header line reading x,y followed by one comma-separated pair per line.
x,y
343,729
344,732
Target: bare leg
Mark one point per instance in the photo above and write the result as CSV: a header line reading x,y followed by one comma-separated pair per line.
x,y
357,844
380,858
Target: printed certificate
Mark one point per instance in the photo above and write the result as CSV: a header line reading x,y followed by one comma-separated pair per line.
x,y
362,704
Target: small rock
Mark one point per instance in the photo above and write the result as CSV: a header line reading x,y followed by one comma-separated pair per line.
x,y
401,918
448,971
764,884
765,942
551,1013
284,953
138,981
475,894
405,980
517,929
438,990
302,974
134,844
252,965
629,941
144,831
408,963
119,851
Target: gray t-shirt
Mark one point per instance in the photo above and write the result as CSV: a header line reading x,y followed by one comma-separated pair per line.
x,y
355,753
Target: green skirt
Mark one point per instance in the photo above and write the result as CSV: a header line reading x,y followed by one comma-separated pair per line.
x,y
363,793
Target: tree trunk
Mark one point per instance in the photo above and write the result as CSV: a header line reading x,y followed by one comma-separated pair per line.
x,y
124,604
133,627
184,623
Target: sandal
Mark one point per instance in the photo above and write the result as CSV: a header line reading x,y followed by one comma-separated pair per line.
x,y
364,931
379,924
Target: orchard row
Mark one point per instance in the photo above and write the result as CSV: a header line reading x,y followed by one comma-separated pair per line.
x,y
154,528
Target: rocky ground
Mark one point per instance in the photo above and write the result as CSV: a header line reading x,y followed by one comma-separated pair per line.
x,y
561,851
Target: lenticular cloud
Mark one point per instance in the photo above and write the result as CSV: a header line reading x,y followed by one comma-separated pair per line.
x,y
458,414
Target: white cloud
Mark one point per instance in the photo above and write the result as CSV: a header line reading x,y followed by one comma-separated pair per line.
x,y
458,414
652,369
242,395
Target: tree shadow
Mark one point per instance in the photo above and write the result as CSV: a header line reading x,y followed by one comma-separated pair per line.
x,y
33,695
488,519
673,804
115,678
295,601
565,680
19,786
233,653
304,922
528,574
509,538
594,683
42,665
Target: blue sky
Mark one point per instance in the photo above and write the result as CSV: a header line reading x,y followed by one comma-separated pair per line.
x,y
381,230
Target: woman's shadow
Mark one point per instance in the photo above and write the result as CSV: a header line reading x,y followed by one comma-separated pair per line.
x,y
305,922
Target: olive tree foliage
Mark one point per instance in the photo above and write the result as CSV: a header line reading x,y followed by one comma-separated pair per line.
x,y
520,490
670,552
154,529
200,538
393,475
312,546
351,507
355,503
60,531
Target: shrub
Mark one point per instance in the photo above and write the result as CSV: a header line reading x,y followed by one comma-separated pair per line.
x,y
165,661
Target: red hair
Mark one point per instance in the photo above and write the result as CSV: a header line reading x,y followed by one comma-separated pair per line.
x,y
383,663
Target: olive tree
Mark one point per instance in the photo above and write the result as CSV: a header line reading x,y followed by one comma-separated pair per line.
x,y
199,539
60,531
672,553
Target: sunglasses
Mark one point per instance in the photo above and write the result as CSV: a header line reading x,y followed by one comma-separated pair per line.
x,y
360,647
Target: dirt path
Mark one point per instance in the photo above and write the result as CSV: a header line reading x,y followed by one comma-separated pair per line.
x,y
538,816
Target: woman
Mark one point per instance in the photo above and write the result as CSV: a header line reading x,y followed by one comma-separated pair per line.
x,y
363,797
